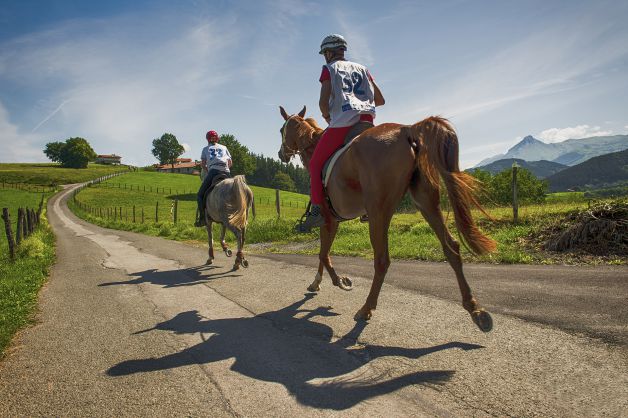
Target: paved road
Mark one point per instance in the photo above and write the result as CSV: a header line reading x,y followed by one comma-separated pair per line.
x,y
131,325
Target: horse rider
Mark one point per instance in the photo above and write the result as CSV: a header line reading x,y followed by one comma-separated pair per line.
x,y
215,159
348,96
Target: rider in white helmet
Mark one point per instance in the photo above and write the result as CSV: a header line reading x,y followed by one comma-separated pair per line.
x,y
348,95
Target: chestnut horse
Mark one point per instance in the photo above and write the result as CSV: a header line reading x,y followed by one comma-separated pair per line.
x,y
372,176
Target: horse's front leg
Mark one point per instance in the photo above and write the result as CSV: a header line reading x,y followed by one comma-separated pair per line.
x,y
223,243
210,240
328,233
316,284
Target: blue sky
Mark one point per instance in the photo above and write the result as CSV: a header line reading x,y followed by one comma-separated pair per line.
x,y
122,73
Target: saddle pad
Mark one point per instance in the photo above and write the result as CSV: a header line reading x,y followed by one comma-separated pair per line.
x,y
353,133
329,165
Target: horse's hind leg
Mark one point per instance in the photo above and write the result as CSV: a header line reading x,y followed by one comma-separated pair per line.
x,y
223,243
327,238
239,240
427,200
379,222
210,240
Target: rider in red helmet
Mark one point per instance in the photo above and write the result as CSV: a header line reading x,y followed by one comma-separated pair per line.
x,y
215,159
348,96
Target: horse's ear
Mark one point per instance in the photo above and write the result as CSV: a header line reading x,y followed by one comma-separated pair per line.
x,y
283,113
302,113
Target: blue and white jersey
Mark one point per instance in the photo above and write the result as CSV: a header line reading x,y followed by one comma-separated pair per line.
x,y
352,93
217,156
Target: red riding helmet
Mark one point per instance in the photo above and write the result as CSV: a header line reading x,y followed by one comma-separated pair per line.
x,y
212,136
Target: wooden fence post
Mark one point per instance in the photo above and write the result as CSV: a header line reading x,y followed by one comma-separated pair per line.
x,y
133,213
142,214
20,220
277,203
176,204
9,232
29,221
156,212
24,224
515,203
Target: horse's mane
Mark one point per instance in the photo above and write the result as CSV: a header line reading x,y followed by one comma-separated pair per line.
x,y
312,123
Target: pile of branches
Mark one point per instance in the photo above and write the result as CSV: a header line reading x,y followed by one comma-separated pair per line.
x,y
602,229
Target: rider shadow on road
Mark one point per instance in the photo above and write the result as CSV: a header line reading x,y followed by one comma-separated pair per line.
x,y
176,278
286,347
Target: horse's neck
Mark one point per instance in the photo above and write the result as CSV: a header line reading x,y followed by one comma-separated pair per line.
x,y
309,145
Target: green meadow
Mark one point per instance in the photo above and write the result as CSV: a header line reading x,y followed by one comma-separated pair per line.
x,y
21,279
410,236
48,174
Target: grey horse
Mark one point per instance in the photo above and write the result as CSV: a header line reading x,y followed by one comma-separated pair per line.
x,y
228,204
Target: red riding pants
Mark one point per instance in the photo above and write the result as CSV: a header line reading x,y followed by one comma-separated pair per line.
x,y
331,140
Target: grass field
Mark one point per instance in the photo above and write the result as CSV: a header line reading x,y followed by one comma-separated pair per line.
x,y
410,236
53,174
20,280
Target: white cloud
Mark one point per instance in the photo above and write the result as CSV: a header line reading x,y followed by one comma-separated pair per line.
x,y
580,131
186,146
357,39
16,146
119,94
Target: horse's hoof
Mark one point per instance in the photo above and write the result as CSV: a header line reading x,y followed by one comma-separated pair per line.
x,y
209,261
245,264
236,266
313,288
482,319
344,283
364,314
228,252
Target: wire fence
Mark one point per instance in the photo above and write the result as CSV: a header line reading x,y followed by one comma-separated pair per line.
x,y
35,188
178,193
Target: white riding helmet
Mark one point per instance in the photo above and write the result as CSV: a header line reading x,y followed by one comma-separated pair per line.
x,y
332,42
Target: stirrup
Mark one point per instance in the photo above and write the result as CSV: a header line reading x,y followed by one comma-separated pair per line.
x,y
300,226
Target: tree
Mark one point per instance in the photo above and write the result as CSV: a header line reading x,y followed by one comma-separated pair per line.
x,y
243,160
498,187
283,181
53,151
73,153
167,149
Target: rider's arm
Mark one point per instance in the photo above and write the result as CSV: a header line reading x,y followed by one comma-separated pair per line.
x,y
229,163
379,98
323,102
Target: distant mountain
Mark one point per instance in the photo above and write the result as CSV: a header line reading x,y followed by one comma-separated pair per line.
x,y
603,171
569,152
540,169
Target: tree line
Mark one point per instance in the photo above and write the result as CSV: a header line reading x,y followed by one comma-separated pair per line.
x,y
269,172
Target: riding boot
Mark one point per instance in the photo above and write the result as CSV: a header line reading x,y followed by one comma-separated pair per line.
x,y
313,219
201,218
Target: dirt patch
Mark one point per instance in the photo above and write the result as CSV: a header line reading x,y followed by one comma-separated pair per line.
x,y
599,231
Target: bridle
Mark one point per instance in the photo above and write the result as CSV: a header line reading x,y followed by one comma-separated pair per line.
x,y
291,152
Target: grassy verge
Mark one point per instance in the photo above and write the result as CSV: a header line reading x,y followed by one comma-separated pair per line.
x,y
410,236
53,174
20,280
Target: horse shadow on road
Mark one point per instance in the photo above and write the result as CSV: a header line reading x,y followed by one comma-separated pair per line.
x,y
176,278
286,347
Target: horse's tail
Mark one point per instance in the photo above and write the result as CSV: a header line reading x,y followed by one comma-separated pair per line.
x,y
239,217
437,154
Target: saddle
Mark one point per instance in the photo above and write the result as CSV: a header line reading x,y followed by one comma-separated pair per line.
x,y
217,179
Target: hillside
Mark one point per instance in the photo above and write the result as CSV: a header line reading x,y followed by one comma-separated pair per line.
x,y
570,152
603,171
540,169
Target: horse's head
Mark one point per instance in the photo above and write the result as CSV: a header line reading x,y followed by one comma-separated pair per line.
x,y
290,134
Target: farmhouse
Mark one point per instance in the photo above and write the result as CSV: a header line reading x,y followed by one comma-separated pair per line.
x,y
108,159
183,166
